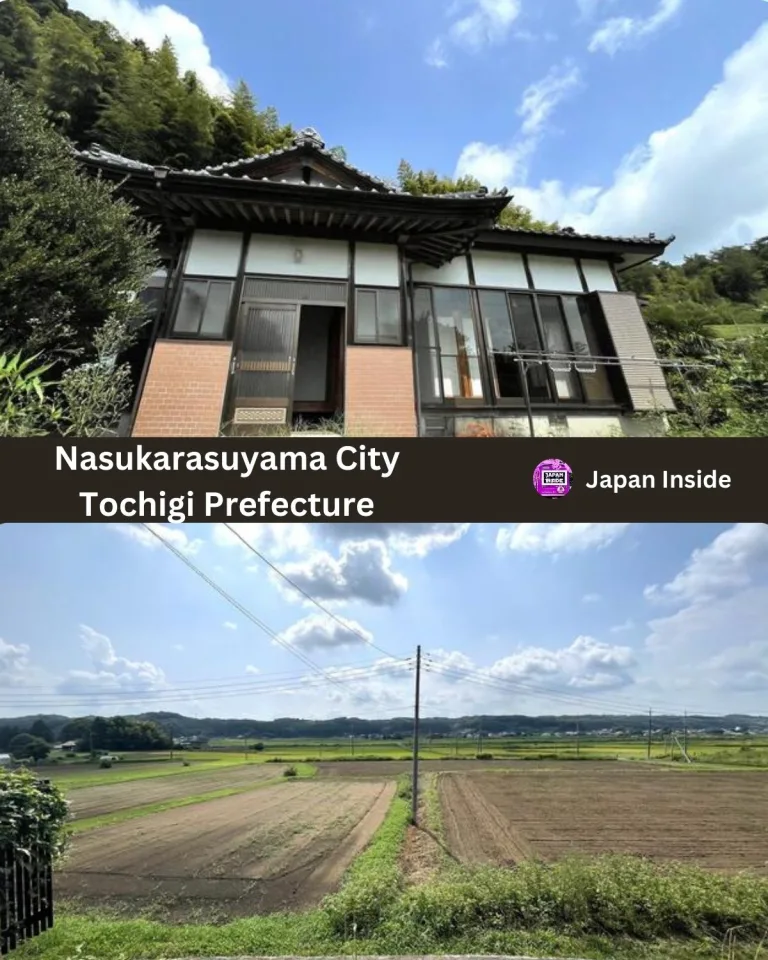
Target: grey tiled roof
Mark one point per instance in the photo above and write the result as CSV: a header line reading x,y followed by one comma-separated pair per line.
x,y
305,138
650,240
97,153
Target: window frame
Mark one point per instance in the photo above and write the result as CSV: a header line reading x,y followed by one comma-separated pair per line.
x,y
435,351
488,372
377,341
225,335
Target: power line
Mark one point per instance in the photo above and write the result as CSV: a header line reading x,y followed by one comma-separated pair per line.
x,y
244,611
342,623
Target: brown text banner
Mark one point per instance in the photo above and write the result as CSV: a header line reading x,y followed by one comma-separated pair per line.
x,y
316,479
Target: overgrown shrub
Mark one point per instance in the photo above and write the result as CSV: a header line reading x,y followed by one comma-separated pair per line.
x,y
290,772
32,814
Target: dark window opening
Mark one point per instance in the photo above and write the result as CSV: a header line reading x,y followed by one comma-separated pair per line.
x,y
377,317
203,309
317,377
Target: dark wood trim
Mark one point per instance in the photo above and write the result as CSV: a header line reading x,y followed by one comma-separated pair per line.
x,y
406,283
470,270
528,273
237,295
582,275
347,329
177,282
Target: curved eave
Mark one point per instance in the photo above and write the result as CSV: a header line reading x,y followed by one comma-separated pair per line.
x,y
623,252
431,229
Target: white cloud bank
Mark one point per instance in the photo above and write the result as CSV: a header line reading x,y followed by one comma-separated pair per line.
x,y
475,24
152,23
704,179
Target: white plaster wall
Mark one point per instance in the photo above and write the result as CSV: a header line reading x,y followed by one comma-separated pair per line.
x,y
298,257
555,273
598,275
214,253
498,268
455,273
377,265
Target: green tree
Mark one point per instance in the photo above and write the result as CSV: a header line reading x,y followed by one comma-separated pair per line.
x,y
429,183
42,731
24,746
67,76
72,255
19,30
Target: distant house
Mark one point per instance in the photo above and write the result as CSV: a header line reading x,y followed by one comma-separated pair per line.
x,y
5,761
295,287
70,746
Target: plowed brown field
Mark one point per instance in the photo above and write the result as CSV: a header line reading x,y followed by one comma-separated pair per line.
x,y
95,801
716,820
281,847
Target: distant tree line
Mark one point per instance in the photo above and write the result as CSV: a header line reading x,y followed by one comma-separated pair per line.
x,y
154,731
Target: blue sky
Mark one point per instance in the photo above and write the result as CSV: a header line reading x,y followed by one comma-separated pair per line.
x,y
612,116
532,618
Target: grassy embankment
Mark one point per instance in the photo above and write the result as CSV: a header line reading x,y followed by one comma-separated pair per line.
x,y
621,908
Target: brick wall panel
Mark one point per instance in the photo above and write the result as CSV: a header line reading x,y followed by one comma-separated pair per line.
x,y
379,395
184,391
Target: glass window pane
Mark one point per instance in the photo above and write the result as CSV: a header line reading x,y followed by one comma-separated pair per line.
x,y
191,306
365,318
597,386
429,376
456,327
216,310
498,322
508,379
557,343
424,331
529,341
524,318
390,328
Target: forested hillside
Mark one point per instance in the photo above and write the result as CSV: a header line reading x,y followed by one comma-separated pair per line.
x,y
119,733
96,86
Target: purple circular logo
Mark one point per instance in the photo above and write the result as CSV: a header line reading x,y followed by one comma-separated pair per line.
x,y
553,479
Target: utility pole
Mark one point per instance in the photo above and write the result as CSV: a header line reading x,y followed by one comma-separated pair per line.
x,y
685,733
352,739
577,738
479,738
650,731
415,785
170,730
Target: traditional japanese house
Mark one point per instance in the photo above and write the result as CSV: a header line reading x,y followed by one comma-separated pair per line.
x,y
297,287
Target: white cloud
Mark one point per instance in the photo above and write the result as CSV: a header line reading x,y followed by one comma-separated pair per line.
x,y
363,572
620,32
482,23
170,533
623,627
591,598
178,647
586,663
665,184
540,99
559,538
320,632
14,664
110,672
229,625
408,539
435,55
273,539
730,562
488,22
253,671
152,23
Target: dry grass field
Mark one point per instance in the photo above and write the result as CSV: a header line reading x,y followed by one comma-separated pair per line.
x,y
281,847
713,820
